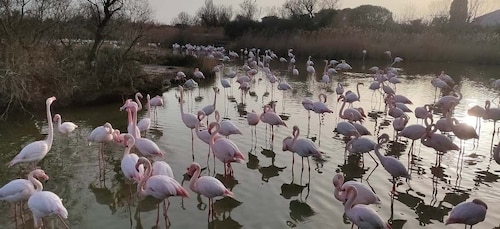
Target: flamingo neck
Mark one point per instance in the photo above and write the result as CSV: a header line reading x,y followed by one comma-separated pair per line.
x,y
148,106
182,101
59,123
138,101
134,122
342,109
348,205
194,179
147,174
38,185
357,89
50,137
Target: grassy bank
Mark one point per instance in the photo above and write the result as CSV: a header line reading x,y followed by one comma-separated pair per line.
x,y
481,47
30,75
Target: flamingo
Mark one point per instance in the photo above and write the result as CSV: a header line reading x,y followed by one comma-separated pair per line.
x,y
345,128
400,123
138,101
145,123
308,105
414,132
301,146
351,97
209,109
366,195
160,187
189,119
207,186
352,114
270,117
392,165
36,151
224,149
101,135
339,90
21,189
361,215
359,144
463,131
253,119
162,168
145,146
129,160
66,127
155,102
423,112
46,203
295,71
468,213
478,112
320,107
491,113
226,126
438,142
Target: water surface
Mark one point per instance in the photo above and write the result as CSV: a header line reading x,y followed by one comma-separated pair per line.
x,y
269,192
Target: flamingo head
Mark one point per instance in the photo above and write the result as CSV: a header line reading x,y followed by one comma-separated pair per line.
x,y
338,179
141,161
287,143
57,117
192,169
40,174
50,100
129,140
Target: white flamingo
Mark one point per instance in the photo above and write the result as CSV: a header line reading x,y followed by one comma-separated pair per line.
x,y
36,151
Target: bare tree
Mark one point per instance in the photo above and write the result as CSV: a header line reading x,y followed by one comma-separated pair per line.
x,y
249,9
294,8
184,18
475,8
212,15
329,4
101,11
439,8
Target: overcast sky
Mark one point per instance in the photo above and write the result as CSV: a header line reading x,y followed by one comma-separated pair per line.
x,y
166,10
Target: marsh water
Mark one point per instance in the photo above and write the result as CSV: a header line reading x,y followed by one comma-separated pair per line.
x,y
269,192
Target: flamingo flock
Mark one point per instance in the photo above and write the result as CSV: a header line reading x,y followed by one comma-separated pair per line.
x,y
144,163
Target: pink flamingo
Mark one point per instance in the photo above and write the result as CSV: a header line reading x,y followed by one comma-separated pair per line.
x,y
438,142
145,123
101,134
366,195
478,112
253,119
207,186
160,187
400,123
463,131
352,114
423,112
320,107
129,160
351,97
359,145
468,213
226,126
224,149
392,165
189,119
36,151
414,132
209,109
162,168
308,105
362,215
46,203
20,190
145,146
270,117
66,127
155,102
301,146
491,113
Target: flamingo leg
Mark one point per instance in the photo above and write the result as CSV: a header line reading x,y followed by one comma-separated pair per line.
x,y
157,214
165,211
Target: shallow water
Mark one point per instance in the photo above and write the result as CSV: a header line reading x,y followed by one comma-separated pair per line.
x,y
269,192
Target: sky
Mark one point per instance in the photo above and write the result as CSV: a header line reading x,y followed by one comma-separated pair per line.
x,y
166,10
